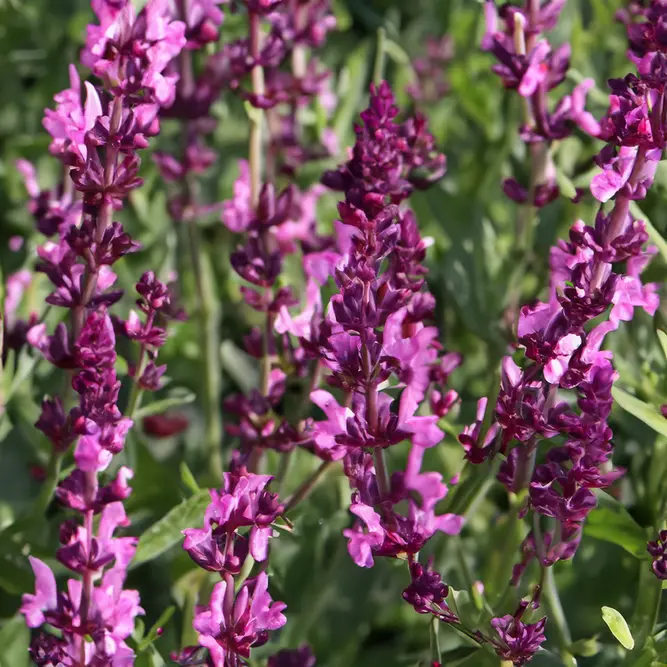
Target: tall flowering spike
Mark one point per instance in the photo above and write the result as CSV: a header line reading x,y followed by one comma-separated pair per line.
x,y
276,223
594,275
529,64
374,332
96,134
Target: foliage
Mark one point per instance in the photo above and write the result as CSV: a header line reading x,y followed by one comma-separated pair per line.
x,y
349,615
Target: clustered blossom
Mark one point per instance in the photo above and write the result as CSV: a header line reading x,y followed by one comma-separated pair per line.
x,y
596,273
529,64
231,624
97,142
658,552
293,77
156,303
517,641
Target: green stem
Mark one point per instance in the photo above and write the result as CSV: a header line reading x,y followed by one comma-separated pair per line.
x,y
246,569
136,393
502,573
208,313
436,652
283,470
50,483
646,611
380,56
207,302
382,473
557,616
473,489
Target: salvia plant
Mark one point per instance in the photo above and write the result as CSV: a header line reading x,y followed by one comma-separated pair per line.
x,y
283,385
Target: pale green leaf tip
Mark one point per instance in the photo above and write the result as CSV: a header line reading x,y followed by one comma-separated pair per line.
x,y
619,627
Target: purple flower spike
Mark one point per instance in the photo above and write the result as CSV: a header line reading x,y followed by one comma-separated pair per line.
x,y
595,275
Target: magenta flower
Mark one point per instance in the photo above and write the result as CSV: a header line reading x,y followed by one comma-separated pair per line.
x,y
528,64
242,502
131,52
231,624
237,212
70,121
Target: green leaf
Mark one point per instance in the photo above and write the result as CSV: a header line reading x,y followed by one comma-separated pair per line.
x,y
155,632
586,648
396,52
351,89
643,411
654,235
618,626
167,532
566,186
611,522
150,658
14,641
188,478
255,115
662,337
176,398
240,366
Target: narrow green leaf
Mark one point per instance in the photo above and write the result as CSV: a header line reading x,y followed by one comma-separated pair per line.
x,y
643,411
14,641
662,337
618,626
396,52
240,366
176,398
188,478
167,532
655,236
255,115
566,186
611,522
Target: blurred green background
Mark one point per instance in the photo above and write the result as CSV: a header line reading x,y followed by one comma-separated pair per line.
x,y
352,617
